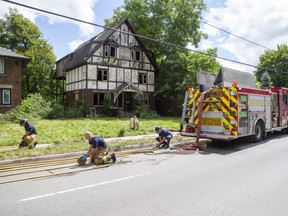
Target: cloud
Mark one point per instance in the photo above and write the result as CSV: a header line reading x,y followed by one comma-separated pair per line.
x,y
263,22
82,10
73,45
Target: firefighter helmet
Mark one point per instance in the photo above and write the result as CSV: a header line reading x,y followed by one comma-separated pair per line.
x,y
158,129
80,161
23,122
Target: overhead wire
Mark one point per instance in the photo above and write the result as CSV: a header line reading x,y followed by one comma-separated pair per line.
x,y
137,35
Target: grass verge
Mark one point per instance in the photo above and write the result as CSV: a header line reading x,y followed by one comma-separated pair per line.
x,y
66,136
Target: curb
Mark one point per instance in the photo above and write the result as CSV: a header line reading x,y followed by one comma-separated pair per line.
x,y
174,146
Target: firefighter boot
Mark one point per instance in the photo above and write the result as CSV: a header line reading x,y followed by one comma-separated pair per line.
x,y
113,157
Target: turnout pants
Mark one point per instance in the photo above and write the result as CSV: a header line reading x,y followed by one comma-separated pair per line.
x,y
100,156
167,140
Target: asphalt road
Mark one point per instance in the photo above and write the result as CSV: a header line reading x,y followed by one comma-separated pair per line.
x,y
231,179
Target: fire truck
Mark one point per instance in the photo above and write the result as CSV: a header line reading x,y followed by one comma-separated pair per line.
x,y
229,105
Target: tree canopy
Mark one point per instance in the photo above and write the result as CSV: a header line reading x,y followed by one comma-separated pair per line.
x,y
274,63
20,35
173,25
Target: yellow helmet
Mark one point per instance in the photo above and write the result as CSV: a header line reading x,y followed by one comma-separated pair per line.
x,y
28,140
80,161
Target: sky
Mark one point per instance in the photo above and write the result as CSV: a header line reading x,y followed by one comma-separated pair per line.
x,y
264,22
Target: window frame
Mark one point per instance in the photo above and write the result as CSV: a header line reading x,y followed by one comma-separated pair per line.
x,y
143,99
3,99
100,97
110,51
2,66
142,78
102,74
134,56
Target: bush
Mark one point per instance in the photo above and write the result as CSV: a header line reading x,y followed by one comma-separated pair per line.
x,y
121,132
34,107
57,112
77,110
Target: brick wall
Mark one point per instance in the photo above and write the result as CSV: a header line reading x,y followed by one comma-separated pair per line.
x,y
12,79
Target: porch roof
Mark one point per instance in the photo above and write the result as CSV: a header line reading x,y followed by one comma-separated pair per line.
x,y
126,87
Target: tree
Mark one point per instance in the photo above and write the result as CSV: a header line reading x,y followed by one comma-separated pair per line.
x,y
266,80
20,35
174,22
275,63
200,62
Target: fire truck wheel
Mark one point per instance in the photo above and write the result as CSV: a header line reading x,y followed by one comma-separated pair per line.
x,y
285,131
259,131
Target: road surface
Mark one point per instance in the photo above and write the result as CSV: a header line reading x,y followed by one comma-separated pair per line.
x,y
236,179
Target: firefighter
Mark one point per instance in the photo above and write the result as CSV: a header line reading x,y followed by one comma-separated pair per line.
x,y
97,151
164,138
134,123
29,138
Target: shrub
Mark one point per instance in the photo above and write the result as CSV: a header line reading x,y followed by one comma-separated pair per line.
x,y
121,132
57,112
34,107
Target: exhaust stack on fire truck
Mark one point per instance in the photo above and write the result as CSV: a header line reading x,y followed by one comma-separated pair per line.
x,y
232,107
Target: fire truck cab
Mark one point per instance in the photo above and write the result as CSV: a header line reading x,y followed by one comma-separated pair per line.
x,y
230,105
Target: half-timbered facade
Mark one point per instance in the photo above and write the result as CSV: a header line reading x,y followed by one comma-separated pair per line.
x,y
113,66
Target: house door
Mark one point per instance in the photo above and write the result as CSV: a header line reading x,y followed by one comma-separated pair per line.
x,y
128,101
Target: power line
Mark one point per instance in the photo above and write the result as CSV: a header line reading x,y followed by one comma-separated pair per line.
x,y
235,35
136,35
227,32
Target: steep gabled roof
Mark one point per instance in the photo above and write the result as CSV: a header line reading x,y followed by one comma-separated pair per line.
x,y
85,51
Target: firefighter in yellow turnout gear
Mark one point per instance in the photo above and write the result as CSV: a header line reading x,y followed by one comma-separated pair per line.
x,y
29,138
97,151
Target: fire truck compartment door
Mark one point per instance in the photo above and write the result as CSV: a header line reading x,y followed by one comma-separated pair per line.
x,y
212,121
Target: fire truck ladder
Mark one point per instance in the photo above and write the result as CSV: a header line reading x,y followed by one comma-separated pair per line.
x,y
186,110
187,113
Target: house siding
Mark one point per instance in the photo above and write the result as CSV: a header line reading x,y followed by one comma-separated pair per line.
x,y
109,60
12,80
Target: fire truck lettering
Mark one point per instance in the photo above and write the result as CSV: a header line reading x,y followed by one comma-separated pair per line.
x,y
253,102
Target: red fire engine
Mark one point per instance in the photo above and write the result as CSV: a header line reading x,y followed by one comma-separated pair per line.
x,y
233,107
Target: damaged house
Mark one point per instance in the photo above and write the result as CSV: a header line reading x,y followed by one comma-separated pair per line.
x,y
113,66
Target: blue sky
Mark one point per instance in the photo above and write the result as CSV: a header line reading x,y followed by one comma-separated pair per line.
x,y
262,21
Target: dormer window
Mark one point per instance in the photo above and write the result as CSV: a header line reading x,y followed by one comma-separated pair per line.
x,y
110,51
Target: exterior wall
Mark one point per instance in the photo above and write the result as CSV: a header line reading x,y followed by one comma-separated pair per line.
x,y
12,80
169,104
121,69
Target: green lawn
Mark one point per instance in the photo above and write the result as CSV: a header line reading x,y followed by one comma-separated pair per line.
x,y
67,135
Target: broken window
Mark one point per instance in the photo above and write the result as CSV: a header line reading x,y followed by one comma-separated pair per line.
x,y
135,55
110,51
142,78
102,75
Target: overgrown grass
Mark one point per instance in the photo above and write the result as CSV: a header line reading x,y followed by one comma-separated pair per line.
x,y
67,135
